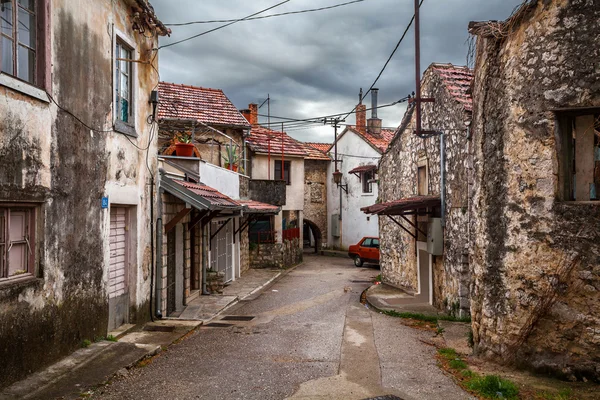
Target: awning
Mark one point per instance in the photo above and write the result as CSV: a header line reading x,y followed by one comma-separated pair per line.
x,y
412,205
199,196
256,207
363,168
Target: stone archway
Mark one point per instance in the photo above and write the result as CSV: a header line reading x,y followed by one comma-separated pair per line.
x,y
313,228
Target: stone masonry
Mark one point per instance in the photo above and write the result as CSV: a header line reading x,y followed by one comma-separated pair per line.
x,y
536,255
315,196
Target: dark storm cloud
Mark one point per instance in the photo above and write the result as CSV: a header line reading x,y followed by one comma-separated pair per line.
x,y
313,64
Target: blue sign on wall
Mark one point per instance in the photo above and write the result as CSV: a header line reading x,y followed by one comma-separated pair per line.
x,y
105,202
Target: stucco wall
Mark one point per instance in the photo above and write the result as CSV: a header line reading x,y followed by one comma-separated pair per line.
x,y
50,159
224,180
398,179
536,259
294,192
315,195
353,151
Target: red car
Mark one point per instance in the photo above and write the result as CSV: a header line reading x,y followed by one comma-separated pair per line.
x,y
366,251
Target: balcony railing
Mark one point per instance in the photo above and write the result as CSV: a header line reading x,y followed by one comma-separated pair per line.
x,y
290,234
262,237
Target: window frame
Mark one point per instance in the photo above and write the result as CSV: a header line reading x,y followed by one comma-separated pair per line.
x,y
41,77
32,245
422,165
366,177
120,40
287,168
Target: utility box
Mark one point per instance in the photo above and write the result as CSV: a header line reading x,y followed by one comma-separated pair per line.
x,y
435,237
335,225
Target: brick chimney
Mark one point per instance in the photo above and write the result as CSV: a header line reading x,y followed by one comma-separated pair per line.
x,y
251,114
374,123
361,115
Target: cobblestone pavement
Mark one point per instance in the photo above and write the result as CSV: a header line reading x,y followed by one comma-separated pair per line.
x,y
309,338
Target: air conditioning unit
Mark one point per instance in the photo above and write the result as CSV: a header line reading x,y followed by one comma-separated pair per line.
x,y
435,237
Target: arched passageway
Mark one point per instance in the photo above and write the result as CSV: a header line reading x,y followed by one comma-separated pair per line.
x,y
312,235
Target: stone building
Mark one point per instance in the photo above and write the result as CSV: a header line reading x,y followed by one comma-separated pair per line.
x,y
316,165
78,155
412,189
359,149
535,215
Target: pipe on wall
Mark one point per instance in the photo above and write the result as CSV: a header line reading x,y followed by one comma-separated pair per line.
x,y
443,178
204,257
159,250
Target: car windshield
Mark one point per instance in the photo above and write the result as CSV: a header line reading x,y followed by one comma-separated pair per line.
x,y
366,242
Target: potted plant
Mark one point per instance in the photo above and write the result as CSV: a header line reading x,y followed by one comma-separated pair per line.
x,y
231,157
183,145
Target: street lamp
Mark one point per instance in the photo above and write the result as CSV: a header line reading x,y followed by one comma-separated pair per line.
x,y
337,179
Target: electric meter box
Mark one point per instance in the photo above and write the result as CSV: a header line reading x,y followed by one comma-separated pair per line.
x,y
435,237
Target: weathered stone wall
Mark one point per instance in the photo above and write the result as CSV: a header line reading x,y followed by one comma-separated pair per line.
x,y
268,191
315,196
243,235
398,179
51,160
275,255
536,259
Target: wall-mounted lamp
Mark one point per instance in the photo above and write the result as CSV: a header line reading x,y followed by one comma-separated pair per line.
x,y
337,178
154,102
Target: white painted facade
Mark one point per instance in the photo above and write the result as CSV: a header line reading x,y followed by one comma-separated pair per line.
x,y
353,151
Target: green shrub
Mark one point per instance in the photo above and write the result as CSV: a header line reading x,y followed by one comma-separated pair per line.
x,y
457,364
448,353
493,387
86,343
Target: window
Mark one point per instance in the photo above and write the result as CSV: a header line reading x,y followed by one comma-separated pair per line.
x,y
579,157
366,242
286,171
375,243
17,241
123,83
19,39
367,185
422,189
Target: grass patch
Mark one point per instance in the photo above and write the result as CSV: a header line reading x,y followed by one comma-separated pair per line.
x,y
378,278
111,338
86,343
563,394
423,317
457,364
448,353
493,387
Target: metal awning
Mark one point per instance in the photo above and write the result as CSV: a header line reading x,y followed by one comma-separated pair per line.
x,y
363,168
199,196
410,205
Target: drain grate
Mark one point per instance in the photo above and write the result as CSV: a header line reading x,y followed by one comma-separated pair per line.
x,y
237,318
218,325
159,328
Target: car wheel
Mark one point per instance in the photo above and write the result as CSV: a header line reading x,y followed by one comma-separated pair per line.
x,y
358,261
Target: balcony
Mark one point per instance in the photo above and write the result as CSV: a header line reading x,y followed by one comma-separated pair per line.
x,y
268,191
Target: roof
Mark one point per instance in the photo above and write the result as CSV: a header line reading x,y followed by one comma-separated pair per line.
x,y
501,29
150,19
363,168
264,140
399,207
323,147
379,142
213,196
256,207
457,81
314,153
210,106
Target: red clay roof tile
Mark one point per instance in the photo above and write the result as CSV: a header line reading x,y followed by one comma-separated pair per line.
x,y
457,81
212,195
264,140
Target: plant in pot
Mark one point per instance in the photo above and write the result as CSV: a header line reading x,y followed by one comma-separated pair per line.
x,y
231,157
183,145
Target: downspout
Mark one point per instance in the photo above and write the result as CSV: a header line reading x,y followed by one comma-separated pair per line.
x,y
204,258
159,249
443,178
151,244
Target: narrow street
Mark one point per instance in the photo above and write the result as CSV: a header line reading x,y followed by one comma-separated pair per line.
x,y
309,338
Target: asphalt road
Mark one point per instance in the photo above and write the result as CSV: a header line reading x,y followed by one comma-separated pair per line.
x,y
310,338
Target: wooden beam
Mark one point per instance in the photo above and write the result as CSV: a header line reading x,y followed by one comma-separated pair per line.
x,y
180,215
197,218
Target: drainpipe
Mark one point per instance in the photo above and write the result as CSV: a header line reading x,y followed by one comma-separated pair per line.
x,y
443,178
159,249
204,258
151,244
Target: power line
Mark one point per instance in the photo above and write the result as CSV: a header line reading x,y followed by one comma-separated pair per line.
x,y
387,62
222,26
268,16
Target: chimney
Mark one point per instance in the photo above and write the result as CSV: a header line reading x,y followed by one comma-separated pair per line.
x,y
374,123
251,114
361,115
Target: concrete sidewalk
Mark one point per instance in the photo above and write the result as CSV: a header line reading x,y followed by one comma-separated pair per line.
x,y
100,361
389,298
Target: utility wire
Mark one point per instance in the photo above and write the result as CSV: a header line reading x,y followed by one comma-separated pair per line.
x,y
222,26
387,62
267,16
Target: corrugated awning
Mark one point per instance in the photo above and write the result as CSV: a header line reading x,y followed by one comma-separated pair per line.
x,y
199,196
363,168
256,207
403,206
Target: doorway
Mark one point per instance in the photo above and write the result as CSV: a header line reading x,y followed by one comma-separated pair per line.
x,y
312,235
119,267
424,273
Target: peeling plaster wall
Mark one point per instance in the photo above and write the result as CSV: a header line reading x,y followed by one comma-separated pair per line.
x,y
536,259
50,159
398,179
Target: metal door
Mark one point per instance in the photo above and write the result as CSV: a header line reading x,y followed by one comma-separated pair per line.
x,y
118,295
171,270
221,250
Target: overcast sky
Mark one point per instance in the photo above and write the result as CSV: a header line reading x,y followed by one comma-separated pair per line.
x,y
314,64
